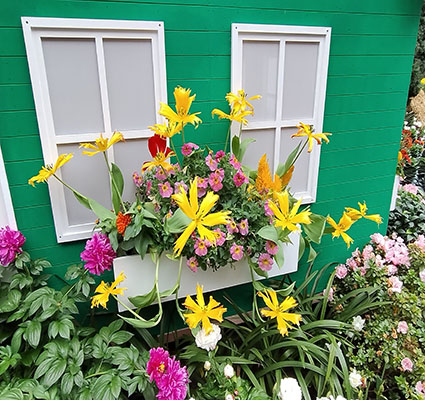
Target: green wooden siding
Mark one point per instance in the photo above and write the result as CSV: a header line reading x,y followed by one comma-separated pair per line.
x,y
371,54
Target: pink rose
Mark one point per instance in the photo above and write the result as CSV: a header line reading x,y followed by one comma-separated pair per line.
x,y
341,271
407,364
402,327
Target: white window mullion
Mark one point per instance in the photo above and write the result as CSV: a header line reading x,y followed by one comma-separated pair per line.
x,y
279,101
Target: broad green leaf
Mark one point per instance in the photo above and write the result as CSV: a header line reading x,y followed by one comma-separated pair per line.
x,y
85,201
101,212
314,231
269,232
142,242
142,323
243,147
144,300
11,301
280,256
56,370
311,255
236,144
116,386
302,247
117,186
283,168
33,333
177,222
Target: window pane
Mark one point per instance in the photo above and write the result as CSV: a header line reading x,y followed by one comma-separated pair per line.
x,y
130,79
89,176
299,181
299,82
73,81
259,76
130,156
264,143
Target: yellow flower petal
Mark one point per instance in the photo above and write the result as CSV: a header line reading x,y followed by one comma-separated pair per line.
x,y
46,172
102,144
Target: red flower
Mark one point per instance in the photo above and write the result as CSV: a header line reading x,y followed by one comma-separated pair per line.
x,y
123,220
159,152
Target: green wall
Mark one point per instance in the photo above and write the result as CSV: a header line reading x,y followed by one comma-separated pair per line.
x,y
372,48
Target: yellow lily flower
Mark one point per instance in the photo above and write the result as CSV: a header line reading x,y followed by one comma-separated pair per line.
x,y
198,215
306,130
277,310
201,312
284,217
233,116
357,214
339,229
239,102
46,172
102,144
165,130
183,102
105,290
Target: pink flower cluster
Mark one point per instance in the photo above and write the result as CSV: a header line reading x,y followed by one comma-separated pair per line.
x,y
10,245
420,389
216,178
407,364
187,148
98,254
170,378
411,188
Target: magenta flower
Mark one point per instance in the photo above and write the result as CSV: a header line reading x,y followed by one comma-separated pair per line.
x,y
220,172
10,245
234,162
341,271
402,327
271,247
98,254
265,262
148,187
239,178
157,364
211,163
201,247
407,364
202,183
165,189
243,227
172,385
219,155
236,251
219,241
179,185
232,227
215,182
137,179
161,175
192,263
187,148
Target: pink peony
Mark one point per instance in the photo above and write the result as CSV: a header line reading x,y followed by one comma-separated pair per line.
x,y
192,263
201,247
236,251
395,284
10,245
411,188
265,262
234,162
367,252
271,247
243,227
137,179
391,269
165,190
378,239
172,385
220,240
341,271
211,162
407,364
402,327
239,178
219,155
158,361
98,254
187,148
215,181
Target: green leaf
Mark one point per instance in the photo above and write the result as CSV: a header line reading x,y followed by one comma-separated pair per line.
x,y
116,386
302,247
101,212
11,301
283,168
67,383
178,222
244,145
54,373
314,231
142,242
142,323
85,201
117,186
144,300
33,333
236,144
269,232
280,256
311,255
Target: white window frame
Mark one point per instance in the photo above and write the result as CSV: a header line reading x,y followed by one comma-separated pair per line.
x,y
37,28
5,199
283,33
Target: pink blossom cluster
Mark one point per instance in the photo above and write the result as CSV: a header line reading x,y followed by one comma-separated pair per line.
x,y
98,254
11,242
170,378
420,389
411,188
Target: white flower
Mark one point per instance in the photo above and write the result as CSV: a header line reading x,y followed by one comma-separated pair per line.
x,y
229,371
331,398
207,365
229,397
358,323
289,389
208,342
191,398
355,379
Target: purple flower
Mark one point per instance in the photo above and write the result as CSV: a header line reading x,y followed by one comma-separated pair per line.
x,y
172,385
187,148
211,163
98,254
192,263
267,210
271,247
341,271
157,363
137,179
10,244
265,262
148,187
243,227
219,155
239,178
407,364
165,189
236,251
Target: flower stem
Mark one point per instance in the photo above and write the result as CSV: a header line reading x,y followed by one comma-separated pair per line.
x,y
114,184
254,298
299,153
228,137
183,133
177,291
69,187
174,149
